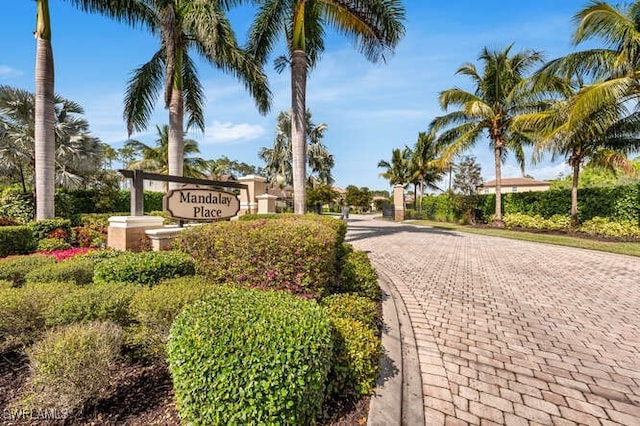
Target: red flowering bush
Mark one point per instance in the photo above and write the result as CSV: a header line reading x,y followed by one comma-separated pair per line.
x,y
295,253
59,233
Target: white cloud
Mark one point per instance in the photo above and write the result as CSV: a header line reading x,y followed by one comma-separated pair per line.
x,y
8,72
228,132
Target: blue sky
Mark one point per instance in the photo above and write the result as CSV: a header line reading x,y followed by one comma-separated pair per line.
x,y
369,108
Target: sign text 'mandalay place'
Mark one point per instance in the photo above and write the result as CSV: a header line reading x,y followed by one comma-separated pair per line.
x,y
201,204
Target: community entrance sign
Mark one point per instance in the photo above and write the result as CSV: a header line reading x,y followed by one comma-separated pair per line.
x,y
137,195
201,204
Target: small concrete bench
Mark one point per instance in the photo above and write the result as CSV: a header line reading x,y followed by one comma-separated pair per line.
x,y
161,238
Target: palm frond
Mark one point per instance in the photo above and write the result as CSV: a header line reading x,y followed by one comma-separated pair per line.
x,y
142,92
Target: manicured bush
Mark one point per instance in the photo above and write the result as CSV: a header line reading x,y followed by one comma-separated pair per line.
x,y
16,240
153,310
99,255
353,307
358,276
43,228
76,270
22,311
16,204
297,254
146,268
554,223
354,366
72,365
95,302
14,269
607,228
246,356
52,244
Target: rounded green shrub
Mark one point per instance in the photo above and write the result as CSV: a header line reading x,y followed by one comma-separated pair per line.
x,y
75,270
14,269
358,276
73,365
153,309
52,244
354,367
246,356
22,310
16,240
146,268
95,302
353,307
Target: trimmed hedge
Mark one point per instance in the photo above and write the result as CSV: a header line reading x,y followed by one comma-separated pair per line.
x,y
16,240
353,307
103,302
618,203
359,276
145,268
293,253
75,270
247,356
14,269
73,365
354,366
153,309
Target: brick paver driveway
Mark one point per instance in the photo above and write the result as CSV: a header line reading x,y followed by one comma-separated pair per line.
x,y
511,332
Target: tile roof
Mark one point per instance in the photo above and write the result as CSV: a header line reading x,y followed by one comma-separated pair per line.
x,y
515,182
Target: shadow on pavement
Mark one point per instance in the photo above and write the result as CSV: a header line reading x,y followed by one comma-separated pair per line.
x,y
356,230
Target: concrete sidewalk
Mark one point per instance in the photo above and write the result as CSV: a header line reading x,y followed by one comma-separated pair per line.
x,y
506,331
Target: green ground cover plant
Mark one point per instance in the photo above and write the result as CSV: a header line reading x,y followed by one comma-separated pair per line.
x,y
76,270
144,268
15,268
153,309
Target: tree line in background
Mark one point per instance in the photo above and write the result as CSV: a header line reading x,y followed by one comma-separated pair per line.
x,y
582,107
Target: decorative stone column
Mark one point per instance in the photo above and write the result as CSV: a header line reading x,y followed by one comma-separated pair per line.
x,y
266,203
256,185
128,232
398,202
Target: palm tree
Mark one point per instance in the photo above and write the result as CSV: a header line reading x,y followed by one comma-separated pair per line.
x,y
76,153
424,168
45,94
501,93
156,159
397,171
615,67
44,115
604,138
376,26
279,158
184,26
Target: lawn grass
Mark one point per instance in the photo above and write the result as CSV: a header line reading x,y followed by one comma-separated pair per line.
x,y
631,249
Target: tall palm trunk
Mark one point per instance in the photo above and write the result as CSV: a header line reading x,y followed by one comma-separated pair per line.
x,y
298,144
575,165
497,218
175,155
45,116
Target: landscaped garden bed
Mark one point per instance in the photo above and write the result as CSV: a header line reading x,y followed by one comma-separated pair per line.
x,y
252,321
